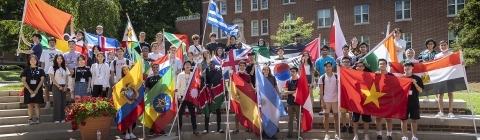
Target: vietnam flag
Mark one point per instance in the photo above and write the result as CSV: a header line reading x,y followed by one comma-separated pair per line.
x,y
45,17
302,97
244,102
373,94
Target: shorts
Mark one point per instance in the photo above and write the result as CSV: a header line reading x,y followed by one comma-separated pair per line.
x,y
412,113
46,83
343,110
332,106
365,118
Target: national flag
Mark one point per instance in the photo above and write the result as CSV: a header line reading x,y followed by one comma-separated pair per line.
x,y
373,94
61,45
160,103
105,43
163,63
215,18
130,38
211,96
263,51
337,39
192,92
128,94
145,68
302,97
442,75
272,106
43,16
245,103
178,40
385,49
234,57
312,49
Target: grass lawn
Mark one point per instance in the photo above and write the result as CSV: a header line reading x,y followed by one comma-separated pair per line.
x,y
10,75
10,87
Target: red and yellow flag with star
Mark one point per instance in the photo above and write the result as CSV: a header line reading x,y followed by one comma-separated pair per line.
x,y
373,94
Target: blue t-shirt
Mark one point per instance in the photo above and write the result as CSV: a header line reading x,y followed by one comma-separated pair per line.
x,y
37,50
320,61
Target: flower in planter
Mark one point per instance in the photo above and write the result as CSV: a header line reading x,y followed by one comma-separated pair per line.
x,y
89,107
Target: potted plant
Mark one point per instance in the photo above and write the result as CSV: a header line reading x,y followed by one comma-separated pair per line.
x,y
91,114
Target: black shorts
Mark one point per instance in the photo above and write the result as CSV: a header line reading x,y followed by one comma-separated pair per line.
x,y
365,118
412,113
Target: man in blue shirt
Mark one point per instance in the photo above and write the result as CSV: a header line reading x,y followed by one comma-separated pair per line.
x,y
324,59
35,47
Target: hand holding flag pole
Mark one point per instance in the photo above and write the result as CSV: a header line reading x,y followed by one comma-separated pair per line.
x,y
20,34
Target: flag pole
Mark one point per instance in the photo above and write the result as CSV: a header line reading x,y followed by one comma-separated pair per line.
x,y
259,99
468,91
183,99
339,103
388,29
175,100
21,25
205,25
227,110
378,45
299,122
129,47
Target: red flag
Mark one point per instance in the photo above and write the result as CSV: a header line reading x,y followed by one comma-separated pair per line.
x,y
43,16
194,87
244,103
312,48
373,94
303,98
179,53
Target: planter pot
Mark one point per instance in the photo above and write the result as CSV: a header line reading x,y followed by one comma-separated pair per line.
x,y
89,130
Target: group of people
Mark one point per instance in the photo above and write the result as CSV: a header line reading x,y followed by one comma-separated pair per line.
x,y
93,75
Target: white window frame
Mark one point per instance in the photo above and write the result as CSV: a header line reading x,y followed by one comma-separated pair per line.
x,y
238,6
456,4
264,27
365,39
451,37
222,34
362,8
403,10
286,15
324,41
253,28
215,30
288,1
323,16
264,4
223,12
252,4
408,38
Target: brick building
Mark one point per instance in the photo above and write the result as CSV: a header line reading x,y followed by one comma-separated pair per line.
x,y
365,19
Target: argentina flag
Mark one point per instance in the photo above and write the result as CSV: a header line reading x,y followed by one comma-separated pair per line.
x,y
214,17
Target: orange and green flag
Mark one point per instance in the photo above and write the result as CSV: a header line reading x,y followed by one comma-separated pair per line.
x,y
43,16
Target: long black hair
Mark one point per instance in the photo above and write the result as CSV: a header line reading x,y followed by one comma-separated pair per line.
x,y
309,60
104,57
57,66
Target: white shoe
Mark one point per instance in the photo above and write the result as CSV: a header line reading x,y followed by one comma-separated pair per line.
x,y
63,121
336,137
38,121
440,114
450,115
132,136
355,137
436,99
127,136
426,100
57,121
414,138
404,138
47,106
327,137
30,122
366,137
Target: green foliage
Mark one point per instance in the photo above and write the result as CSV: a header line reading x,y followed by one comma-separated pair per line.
x,y
287,30
9,37
10,75
89,107
467,26
12,87
99,12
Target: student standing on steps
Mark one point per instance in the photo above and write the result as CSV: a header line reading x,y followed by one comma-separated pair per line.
x,y
181,87
35,47
155,54
149,83
242,73
360,66
59,76
196,49
444,52
129,133
382,65
116,66
413,105
47,60
81,79
71,60
32,79
328,84
292,108
100,76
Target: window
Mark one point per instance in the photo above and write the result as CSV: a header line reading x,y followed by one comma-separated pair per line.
x,y
323,18
222,34
402,10
215,30
264,27
254,5
238,6
264,4
324,41
454,6
254,27
223,7
451,37
365,39
408,38
361,14
289,15
288,1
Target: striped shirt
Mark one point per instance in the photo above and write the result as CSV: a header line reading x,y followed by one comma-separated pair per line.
x,y
426,55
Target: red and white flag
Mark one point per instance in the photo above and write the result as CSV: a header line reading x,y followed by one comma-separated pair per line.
x,y
193,89
302,97
337,40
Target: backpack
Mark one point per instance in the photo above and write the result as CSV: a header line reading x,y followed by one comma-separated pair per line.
x,y
323,80
115,64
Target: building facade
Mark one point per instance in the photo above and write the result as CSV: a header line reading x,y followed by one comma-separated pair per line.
x,y
365,19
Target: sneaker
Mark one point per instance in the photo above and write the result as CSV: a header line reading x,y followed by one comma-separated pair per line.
x,y
414,138
47,105
355,137
337,137
63,121
220,131
404,138
320,113
425,100
344,129
132,136
436,99
440,114
389,138
379,137
195,132
30,121
350,129
57,121
327,137
37,121
204,131
151,133
366,137
450,115
127,136
163,133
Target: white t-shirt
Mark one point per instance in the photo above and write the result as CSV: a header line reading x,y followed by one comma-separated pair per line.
x,y
118,68
177,63
438,55
194,50
47,57
154,56
60,75
400,44
330,89
307,69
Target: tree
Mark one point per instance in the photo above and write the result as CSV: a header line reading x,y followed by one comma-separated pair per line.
x,y
92,13
467,26
287,30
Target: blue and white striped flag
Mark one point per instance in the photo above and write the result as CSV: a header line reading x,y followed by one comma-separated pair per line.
x,y
214,17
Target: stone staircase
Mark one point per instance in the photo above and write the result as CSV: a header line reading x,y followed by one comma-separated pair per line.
x,y
13,125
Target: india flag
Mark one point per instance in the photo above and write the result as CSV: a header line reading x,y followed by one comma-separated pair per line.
x,y
385,49
442,75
